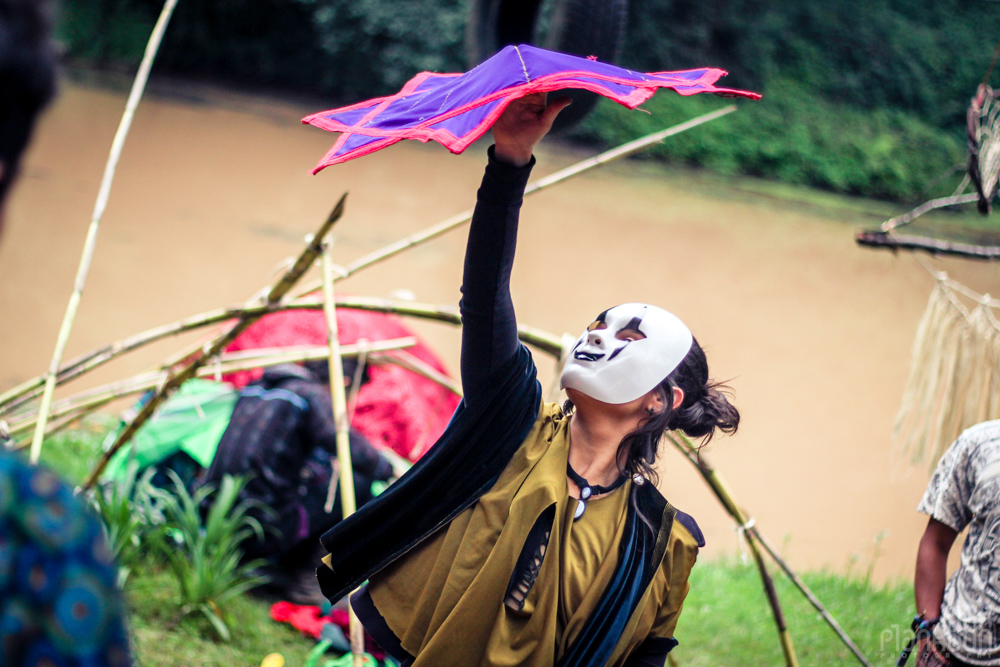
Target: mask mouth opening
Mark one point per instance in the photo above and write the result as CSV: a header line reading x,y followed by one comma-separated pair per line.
x,y
587,356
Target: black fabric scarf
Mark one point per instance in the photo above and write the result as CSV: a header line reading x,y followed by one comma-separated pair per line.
x,y
462,465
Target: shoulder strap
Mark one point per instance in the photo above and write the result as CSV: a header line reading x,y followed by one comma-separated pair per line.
x,y
641,551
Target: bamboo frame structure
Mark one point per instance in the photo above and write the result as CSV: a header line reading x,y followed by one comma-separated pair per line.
x,y
176,379
754,537
138,86
23,393
743,521
879,239
227,363
982,133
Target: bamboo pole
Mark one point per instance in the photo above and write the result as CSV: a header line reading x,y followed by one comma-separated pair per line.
x,y
423,369
348,499
715,482
138,86
813,600
227,363
210,350
894,242
18,396
940,202
625,150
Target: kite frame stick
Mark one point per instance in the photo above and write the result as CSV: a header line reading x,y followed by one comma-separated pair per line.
x,y
138,86
612,155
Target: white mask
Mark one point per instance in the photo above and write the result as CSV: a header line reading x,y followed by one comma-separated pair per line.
x,y
626,352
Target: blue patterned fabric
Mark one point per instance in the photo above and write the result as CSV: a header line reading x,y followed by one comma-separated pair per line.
x,y
59,604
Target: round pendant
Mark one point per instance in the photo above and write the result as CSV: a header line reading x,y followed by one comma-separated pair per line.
x,y
580,509
585,493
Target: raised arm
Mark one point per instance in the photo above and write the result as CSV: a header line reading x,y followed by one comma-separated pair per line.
x,y
489,333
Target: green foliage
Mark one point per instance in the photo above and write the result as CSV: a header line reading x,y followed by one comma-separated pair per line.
x,y
109,30
727,594
864,98
205,558
791,135
374,47
128,508
923,56
161,639
72,452
725,621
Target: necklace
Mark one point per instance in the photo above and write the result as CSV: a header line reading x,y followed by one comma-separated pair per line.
x,y
588,490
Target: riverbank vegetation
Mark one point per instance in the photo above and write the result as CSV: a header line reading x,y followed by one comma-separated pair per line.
x,y
861,98
726,619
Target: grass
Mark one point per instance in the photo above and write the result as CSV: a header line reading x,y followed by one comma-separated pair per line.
x,y
726,620
162,638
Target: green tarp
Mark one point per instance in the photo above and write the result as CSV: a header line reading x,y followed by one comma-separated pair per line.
x,y
191,421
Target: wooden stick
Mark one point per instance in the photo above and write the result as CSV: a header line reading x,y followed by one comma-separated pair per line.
x,y
138,86
24,392
715,482
813,600
423,369
348,499
940,202
227,363
606,157
176,379
877,239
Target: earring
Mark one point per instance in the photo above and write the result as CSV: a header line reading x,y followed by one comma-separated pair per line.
x,y
638,479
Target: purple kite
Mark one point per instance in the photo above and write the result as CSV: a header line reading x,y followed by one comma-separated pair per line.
x,y
456,109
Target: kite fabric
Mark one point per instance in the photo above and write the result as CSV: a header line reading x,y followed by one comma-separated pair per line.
x,y
456,109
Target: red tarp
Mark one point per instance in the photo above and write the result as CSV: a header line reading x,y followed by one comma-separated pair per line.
x,y
397,408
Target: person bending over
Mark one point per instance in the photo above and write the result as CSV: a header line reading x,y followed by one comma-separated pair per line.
x,y
283,436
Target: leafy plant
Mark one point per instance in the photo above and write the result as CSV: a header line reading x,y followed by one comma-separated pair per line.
x,y
128,508
205,557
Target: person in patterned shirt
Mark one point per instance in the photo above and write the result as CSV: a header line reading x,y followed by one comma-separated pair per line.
x,y
962,615
59,603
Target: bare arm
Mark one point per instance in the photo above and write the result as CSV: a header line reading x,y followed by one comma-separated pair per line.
x,y
932,562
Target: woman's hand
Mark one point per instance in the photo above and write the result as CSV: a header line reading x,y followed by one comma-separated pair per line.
x,y
523,124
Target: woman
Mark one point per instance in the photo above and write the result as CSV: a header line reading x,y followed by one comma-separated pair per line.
x,y
530,534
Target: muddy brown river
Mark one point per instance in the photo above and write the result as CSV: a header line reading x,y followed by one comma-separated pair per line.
x,y
213,193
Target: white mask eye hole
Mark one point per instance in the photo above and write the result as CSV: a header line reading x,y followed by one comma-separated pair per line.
x,y
629,335
598,324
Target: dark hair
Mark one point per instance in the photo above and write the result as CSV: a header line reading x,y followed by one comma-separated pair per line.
x,y
704,409
27,77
